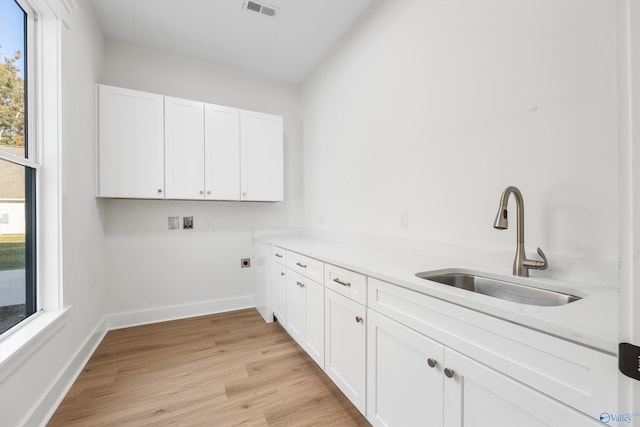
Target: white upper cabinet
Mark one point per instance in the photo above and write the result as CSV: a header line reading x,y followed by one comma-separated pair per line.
x,y
152,146
184,148
131,144
222,152
261,150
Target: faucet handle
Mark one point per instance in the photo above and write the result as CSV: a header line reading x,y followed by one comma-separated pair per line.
x,y
537,265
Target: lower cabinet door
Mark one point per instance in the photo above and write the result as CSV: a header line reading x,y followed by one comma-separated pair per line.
x,y
295,307
279,292
404,375
477,396
345,346
314,325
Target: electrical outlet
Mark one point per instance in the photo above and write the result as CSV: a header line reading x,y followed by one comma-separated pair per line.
x,y
245,263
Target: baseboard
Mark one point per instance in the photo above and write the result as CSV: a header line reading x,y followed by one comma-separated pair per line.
x,y
45,409
143,317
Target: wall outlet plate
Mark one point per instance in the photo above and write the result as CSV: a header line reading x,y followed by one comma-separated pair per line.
x,y
245,263
174,223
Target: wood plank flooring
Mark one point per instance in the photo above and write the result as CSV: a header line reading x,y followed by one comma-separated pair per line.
x,y
228,369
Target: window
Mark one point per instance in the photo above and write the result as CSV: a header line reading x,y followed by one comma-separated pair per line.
x,y
18,173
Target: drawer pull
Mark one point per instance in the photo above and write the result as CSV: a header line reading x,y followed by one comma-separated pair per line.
x,y
449,372
432,362
279,255
300,284
301,265
340,282
358,319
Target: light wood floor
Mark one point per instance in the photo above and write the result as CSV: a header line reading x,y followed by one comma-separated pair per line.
x,y
220,370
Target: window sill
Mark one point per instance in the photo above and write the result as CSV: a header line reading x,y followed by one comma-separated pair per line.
x,y
19,344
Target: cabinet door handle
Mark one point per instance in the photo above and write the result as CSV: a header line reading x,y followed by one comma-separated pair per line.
x,y
358,319
159,190
208,192
449,372
282,273
432,362
201,192
279,256
300,284
301,265
347,284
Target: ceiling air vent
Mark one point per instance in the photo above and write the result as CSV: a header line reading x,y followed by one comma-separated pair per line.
x,y
261,8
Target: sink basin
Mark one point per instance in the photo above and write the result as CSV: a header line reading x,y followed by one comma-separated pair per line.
x,y
500,288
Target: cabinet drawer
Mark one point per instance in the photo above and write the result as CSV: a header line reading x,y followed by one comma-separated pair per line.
x,y
576,375
308,267
345,282
279,255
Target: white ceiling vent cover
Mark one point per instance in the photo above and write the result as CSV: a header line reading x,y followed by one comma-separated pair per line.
x,y
264,9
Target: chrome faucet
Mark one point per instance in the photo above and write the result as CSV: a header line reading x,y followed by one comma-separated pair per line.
x,y
521,265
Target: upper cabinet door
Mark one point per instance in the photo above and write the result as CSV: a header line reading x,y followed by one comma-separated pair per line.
x,y
130,144
261,150
222,152
184,148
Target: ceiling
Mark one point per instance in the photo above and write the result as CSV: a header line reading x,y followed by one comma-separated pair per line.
x,y
285,47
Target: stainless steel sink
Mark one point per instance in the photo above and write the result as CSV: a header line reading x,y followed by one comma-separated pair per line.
x,y
498,288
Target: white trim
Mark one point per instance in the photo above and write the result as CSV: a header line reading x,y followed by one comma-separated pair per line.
x,y
628,25
59,9
18,160
46,407
163,314
20,342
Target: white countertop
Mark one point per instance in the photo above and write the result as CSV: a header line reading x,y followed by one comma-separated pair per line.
x,y
591,321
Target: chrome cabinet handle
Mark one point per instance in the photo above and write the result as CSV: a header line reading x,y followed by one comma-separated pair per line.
x,y
301,265
282,273
159,190
347,284
201,192
449,372
279,256
358,319
208,192
432,362
300,284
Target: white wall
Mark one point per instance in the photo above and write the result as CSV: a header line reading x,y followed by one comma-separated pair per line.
x,y
150,267
434,107
83,243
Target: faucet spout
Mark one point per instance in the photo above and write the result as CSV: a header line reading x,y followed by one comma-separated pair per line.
x,y
521,264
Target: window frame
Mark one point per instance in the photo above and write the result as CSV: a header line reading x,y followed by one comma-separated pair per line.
x,y
31,167
45,22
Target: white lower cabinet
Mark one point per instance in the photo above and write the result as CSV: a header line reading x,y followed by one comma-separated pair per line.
x,y
305,314
403,390
345,346
406,359
478,396
414,381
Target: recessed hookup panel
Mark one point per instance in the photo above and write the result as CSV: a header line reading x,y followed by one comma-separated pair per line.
x,y
187,223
